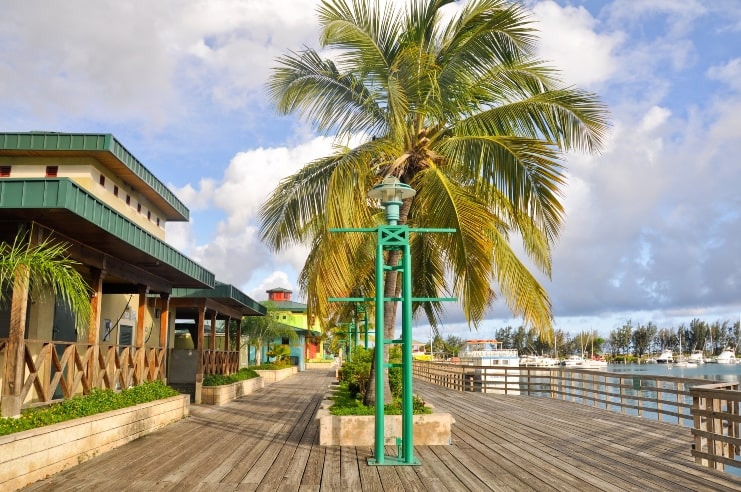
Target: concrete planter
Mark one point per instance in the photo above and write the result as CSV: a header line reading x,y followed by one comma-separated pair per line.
x,y
359,430
218,395
273,375
320,365
31,455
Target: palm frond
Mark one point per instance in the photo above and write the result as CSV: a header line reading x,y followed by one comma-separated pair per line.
x,y
51,272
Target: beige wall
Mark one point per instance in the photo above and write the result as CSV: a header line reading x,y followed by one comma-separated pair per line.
x,y
86,172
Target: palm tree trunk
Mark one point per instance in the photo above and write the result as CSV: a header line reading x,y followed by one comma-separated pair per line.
x,y
391,289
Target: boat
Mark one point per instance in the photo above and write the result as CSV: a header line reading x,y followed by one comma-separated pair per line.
x,y
728,356
581,362
666,357
491,353
538,361
573,361
697,357
488,353
681,360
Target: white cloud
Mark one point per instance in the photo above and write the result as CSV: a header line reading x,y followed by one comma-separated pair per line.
x,y
568,39
140,61
729,74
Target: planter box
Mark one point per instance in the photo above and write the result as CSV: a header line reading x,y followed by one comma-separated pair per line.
x,y
218,395
273,375
31,455
360,430
320,365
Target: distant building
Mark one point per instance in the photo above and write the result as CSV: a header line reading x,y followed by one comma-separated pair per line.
x,y
294,314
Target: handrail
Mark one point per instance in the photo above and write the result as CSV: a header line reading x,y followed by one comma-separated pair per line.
x,y
711,410
715,410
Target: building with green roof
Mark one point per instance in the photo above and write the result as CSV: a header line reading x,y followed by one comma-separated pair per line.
x,y
90,193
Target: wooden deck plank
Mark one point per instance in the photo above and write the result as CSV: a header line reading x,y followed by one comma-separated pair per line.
x,y
268,441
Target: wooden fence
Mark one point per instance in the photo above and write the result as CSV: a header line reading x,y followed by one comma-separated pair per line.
x,y
711,410
220,362
60,370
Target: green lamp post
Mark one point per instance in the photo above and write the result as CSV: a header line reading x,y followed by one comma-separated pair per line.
x,y
392,193
392,236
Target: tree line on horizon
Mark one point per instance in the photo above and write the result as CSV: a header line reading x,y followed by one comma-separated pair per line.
x,y
634,339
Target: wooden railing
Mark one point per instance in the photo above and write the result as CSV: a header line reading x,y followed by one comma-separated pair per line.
x,y
711,410
715,410
220,362
60,370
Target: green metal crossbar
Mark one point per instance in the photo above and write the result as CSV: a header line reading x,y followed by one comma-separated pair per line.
x,y
394,237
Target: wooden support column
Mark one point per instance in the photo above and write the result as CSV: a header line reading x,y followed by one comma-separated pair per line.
x,y
140,316
93,333
227,355
212,336
11,402
199,351
227,325
239,345
164,333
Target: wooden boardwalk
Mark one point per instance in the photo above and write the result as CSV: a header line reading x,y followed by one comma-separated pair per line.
x,y
268,441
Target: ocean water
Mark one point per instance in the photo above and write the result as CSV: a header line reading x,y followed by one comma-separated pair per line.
x,y
710,371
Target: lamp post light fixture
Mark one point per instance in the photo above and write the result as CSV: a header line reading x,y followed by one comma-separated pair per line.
x,y
392,194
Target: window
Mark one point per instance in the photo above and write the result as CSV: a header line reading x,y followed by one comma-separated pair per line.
x,y
128,199
102,180
139,207
149,215
51,171
115,190
284,340
158,221
4,171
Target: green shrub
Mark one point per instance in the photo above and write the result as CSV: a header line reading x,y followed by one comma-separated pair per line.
x,y
356,372
271,366
98,401
347,404
221,379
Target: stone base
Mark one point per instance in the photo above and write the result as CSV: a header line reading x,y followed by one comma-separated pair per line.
x,y
31,455
360,430
218,395
273,375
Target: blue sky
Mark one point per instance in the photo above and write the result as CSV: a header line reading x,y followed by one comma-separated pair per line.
x,y
653,228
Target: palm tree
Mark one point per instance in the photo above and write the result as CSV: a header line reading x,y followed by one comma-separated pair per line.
x,y
260,330
42,269
450,98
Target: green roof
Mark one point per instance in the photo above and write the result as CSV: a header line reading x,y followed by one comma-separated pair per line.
x,y
223,292
62,204
286,306
104,146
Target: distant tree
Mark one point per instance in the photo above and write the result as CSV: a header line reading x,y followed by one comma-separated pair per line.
x,y
506,336
697,335
620,338
643,336
453,345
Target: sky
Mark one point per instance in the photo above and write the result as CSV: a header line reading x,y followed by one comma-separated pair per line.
x,y
653,223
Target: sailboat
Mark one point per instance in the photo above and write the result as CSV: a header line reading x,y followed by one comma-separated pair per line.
x,y
681,361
